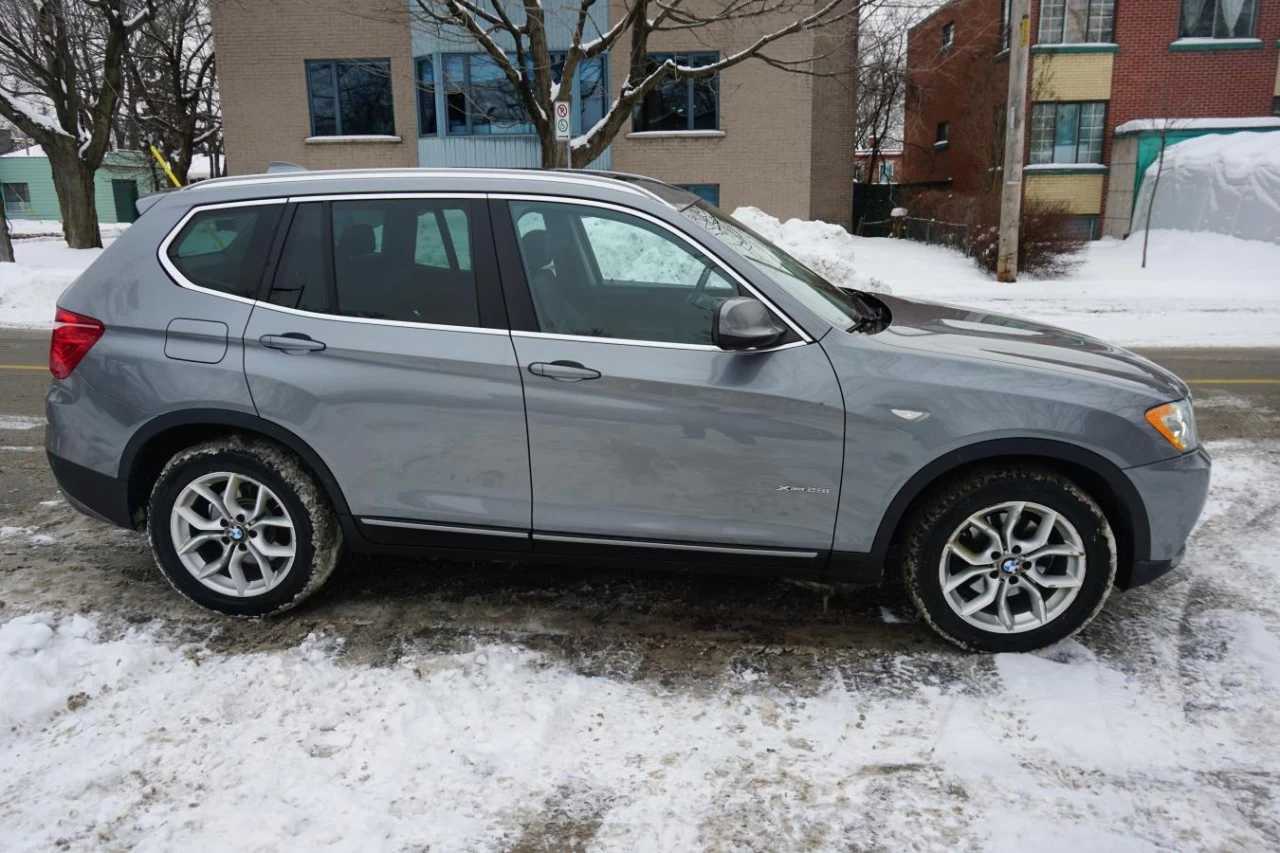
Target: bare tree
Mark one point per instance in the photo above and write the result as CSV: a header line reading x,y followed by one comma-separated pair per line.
x,y
172,89
66,55
881,81
6,244
1162,127
514,35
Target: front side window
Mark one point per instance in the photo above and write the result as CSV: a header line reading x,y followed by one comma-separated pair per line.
x,y
601,273
393,259
1067,132
1219,19
1076,21
675,104
223,249
350,97
17,197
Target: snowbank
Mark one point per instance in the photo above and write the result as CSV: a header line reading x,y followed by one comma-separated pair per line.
x,y
825,248
1224,183
29,289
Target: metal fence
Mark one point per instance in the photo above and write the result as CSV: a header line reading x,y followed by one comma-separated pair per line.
x,y
952,234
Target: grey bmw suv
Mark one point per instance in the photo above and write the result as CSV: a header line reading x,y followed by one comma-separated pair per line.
x,y
568,366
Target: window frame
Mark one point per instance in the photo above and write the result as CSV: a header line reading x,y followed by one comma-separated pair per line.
x,y
942,135
337,95
948,36
18,206
1109,33
1102,147
268,264
1253,23
688,93
524,322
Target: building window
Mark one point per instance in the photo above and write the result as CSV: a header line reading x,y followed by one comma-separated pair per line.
x,y
886,171
1067,133
710,193
17,197
1275,106
350,97
1077,21
480,100
674,104
943,136
1219,19
1006,11
948,36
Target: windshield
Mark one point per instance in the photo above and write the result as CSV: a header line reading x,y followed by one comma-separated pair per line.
x,y
820,296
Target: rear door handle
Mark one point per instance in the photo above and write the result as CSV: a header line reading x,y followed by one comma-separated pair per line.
x,y
291,342
565,371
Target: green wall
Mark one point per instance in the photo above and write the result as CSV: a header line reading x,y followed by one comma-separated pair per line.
x,y
35,173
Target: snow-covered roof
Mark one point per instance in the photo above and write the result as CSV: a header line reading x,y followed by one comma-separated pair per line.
x,y
29,151
1139,125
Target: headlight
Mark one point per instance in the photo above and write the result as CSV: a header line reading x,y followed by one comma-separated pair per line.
x,y
1176,422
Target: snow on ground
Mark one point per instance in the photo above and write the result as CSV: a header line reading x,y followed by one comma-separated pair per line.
x,y
1199,289
29,288
1154,731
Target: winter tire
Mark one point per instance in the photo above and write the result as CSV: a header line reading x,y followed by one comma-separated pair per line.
x,y
1009,559
240,527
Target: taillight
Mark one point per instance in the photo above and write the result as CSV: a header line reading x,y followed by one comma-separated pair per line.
x,y
73,335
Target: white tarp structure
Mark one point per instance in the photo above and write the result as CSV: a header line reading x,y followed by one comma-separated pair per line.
x,y
1228,183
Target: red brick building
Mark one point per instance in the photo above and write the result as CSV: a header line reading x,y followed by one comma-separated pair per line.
x,y
1106,80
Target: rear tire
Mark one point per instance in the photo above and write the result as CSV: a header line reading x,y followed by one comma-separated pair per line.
x,y
1009,559
240,527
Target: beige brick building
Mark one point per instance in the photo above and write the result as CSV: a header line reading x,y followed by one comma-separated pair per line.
x,y
291,90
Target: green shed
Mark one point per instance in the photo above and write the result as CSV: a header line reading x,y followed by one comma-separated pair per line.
x,y
26,185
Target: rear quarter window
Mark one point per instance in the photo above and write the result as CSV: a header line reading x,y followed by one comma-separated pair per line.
x,y
223,249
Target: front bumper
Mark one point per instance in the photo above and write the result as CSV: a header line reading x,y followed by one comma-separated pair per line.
x,y
1173,493
91,492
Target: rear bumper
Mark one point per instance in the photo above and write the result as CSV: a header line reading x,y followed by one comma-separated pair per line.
x,y
91,492
1173,493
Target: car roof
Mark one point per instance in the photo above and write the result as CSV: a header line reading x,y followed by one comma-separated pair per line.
x,y
604,186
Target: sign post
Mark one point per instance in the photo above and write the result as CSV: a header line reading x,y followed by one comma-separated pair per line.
x,y
563,130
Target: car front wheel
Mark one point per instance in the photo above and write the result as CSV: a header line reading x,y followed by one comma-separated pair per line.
x,y
240,527
1009,559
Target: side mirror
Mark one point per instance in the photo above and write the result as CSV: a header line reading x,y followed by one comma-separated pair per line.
x,y
744,323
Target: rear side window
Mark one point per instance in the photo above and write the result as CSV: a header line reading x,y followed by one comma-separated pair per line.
x,y
223,249
300,275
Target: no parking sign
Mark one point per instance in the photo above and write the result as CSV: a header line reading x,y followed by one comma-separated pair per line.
x,y
562,121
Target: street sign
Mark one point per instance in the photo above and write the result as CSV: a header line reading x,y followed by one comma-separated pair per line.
x,y
562,121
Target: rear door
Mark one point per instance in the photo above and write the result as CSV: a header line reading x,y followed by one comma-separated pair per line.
x,y
640,430
382,343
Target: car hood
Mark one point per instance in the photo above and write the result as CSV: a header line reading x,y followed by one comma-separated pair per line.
x,y
952,330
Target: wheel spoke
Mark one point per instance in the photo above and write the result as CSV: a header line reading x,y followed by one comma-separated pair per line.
x,y
264,565
236,570
259,504
213,567
968,556
196,541
1042,534
272,549
958,580
981,523
1002,605
274,521
983,600
230,495
1012,516
1068,581
1062,550
1037,602
196,520
212,497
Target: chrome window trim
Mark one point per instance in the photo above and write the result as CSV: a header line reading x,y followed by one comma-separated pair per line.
x,y
450,174
162,253
378,196
375,321
446,528
555,336
673,546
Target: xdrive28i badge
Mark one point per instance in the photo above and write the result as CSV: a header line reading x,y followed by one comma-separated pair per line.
x,y
809,490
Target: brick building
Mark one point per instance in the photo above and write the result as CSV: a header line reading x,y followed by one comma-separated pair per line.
x,y
1106,81
752,135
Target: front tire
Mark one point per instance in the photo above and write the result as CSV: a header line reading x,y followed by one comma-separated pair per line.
x,y
240,527
1009,559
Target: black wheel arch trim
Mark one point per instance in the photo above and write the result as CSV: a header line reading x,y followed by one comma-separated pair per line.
x,y
234,420
1126,495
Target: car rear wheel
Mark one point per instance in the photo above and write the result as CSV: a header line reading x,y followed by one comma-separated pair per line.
x,y
240,527
1009,559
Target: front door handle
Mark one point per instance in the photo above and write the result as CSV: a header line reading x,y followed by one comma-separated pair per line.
x,y
565,371
291,342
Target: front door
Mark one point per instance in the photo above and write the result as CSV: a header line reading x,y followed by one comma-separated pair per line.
x,y
382,344
639,428
125,194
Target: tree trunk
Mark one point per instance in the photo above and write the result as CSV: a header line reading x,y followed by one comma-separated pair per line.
x,y
6,246
73,181
1151,202
554,155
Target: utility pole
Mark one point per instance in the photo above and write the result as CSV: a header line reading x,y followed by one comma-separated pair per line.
x,y
1015,134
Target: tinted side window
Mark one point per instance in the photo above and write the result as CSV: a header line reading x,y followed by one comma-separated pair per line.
x,y
405,259
223,249
602,273
300,275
